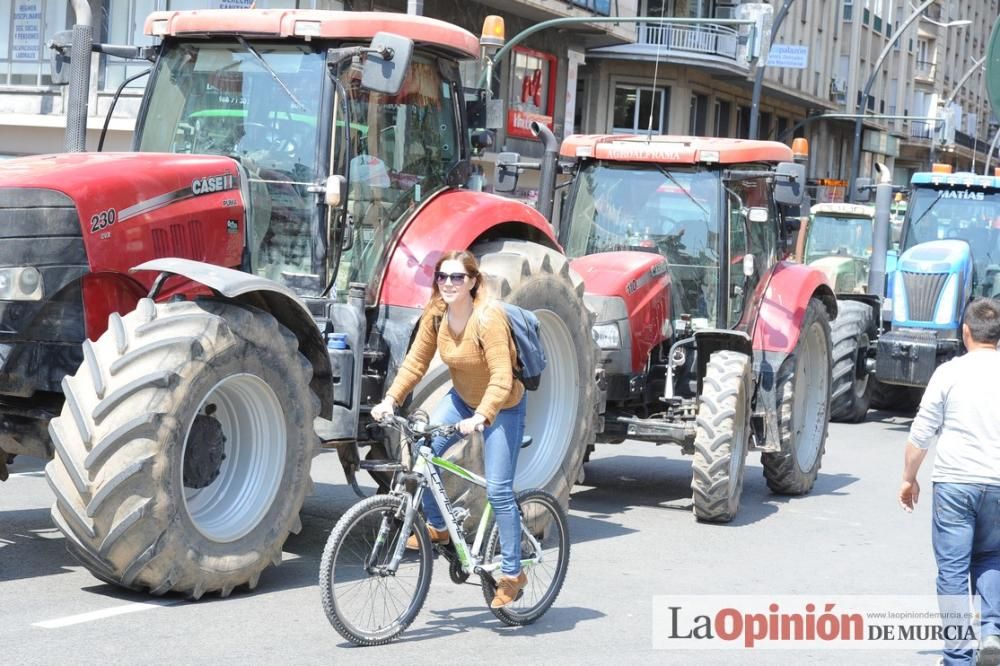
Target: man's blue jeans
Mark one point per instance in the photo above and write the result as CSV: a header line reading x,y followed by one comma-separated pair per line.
x,y
501,444
966,538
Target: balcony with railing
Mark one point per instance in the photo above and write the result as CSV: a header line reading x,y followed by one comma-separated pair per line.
x,y
924,71
709,44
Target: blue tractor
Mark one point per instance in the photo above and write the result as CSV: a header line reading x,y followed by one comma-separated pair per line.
x,y
949,253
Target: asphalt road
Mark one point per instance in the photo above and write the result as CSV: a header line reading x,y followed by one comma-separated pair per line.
x,y
633,537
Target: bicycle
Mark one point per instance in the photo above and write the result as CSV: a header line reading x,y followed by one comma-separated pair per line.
x,y
366,551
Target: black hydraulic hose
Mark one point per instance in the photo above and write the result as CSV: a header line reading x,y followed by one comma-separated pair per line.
x,y
114,102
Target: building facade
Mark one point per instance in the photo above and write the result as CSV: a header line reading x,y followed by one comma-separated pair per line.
x,y
665,76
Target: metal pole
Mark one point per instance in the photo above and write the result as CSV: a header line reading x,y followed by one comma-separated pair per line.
x,y
758,79
856,152
880,239
79,79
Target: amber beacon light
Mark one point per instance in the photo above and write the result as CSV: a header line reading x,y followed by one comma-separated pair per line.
x,y
493,32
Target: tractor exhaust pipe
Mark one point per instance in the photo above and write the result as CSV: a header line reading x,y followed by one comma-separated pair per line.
x,y
880,237
547,177
79,79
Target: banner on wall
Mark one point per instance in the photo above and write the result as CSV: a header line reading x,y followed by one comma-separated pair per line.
x,y
27,42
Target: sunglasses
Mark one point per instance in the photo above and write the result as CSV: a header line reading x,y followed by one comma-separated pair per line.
x,y
453,278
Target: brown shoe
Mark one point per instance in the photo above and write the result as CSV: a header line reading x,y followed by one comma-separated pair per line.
x,y
440,537
509,590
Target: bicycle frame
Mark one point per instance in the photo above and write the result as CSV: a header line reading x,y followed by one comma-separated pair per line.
x,y
471,560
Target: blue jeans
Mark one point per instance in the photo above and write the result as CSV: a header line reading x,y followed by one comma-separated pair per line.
x,y
501,444
966,538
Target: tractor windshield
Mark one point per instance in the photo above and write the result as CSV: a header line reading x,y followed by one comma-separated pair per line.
x,y
259,104
971,214
839,236
648,208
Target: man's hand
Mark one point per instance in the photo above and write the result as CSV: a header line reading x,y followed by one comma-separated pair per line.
x,y
909,492
471,424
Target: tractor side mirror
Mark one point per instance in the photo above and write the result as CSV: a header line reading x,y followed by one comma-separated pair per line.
x,y
59,47
789,183
481,140
386,63
757,215
863,190
505,173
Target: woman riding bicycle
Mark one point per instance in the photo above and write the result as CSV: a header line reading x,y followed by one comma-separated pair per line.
x,y
470,333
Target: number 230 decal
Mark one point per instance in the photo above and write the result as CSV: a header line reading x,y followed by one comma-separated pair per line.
x,y
102,220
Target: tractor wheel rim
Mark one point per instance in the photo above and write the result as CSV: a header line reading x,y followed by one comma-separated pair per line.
x,y
809,401
553,409
253,422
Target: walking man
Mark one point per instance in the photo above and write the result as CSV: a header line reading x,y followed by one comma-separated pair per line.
x,y
961,408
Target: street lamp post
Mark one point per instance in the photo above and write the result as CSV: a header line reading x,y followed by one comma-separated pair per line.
x,y
758,80
863,106
951,98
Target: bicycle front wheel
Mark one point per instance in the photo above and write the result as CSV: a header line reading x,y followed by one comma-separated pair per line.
x,y
365,602
545,566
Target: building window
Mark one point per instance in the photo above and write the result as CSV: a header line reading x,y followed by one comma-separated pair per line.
x,y
698,115
533,91
640,109
25,27
722,112
743,122
848,9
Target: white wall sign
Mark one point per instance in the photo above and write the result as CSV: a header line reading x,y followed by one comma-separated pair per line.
x,y
788,55
27,43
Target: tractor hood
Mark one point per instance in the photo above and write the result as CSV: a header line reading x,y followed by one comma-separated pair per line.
x,y
134,207
839,272
631,290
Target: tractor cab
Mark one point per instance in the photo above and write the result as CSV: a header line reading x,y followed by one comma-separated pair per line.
x,y
838,241
962,207
714,220
271,104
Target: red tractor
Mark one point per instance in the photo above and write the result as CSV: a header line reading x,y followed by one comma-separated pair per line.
x,y
190,321
709,337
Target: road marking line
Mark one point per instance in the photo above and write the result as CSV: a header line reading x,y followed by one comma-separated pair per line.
x,y
70,620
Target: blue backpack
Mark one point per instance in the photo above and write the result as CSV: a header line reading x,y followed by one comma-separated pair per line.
x,y
531,359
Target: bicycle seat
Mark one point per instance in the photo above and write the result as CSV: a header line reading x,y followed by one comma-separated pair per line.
x,y
526,441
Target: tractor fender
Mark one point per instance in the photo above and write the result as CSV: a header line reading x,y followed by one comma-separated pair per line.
x,y
267,295
453,220
784,304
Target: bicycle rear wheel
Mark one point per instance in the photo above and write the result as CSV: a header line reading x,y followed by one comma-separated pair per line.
x,y
542,516
366,604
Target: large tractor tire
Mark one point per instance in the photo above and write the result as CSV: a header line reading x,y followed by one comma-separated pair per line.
x,y
184,447
722,437
561,414
850,335
803,392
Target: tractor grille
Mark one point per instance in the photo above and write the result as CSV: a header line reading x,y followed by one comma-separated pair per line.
x,y
922,292
179,240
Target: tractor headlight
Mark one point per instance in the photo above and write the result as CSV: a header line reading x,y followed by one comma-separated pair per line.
x,y
944,312
607,336
21,284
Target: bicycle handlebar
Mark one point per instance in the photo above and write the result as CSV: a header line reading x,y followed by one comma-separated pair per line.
x,y
417,429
